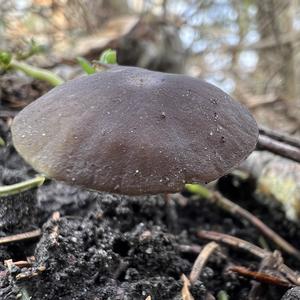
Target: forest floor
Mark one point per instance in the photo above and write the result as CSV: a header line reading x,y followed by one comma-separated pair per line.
x,y
103,246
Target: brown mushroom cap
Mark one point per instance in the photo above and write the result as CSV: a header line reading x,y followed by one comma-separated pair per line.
x,y
133,131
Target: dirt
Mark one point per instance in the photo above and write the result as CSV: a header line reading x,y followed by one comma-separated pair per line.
x,y
18,90
103,246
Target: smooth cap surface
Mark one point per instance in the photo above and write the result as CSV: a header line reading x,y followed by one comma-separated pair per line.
x,y
133,131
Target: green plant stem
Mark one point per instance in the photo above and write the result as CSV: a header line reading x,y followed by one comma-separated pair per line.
x,y
199,190
86,66
2,143
37,73
222,295
20,187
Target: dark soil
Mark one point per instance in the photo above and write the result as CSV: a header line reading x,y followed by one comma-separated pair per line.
x,y
107,246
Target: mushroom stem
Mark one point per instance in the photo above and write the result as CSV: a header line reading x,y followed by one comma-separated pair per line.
x,y
278,147
23,186
37,73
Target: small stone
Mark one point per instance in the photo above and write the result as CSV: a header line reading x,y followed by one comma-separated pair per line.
x,y
292,294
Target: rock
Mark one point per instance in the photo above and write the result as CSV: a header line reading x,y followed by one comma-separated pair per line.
x,y
277,179
292,294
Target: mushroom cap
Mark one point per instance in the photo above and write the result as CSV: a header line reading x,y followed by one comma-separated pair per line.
x,y
133,131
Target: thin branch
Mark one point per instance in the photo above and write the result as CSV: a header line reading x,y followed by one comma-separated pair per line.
x,y
260,276
20,237
55,231
196,249
201,260
185,292
280,137
21,263
280,148
193,248
237,211
233,242
237,243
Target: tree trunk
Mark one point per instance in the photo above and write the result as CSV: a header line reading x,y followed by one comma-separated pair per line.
x,y
277,60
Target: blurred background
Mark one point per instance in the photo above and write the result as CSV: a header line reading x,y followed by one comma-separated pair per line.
x,y
249,48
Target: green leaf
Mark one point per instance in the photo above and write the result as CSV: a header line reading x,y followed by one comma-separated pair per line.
x,y
199,190
85,65
109,56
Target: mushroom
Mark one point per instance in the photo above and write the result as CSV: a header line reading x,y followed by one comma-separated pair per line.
x,y
133,131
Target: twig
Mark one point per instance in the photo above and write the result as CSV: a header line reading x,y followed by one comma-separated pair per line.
x,y
20,187
55,231
190,248
185,292
30,274
279,148
196,249
272,262
21,263
20,237
25,276
237,210
250,248
280,137
232,241
289,273
201,260
260,276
